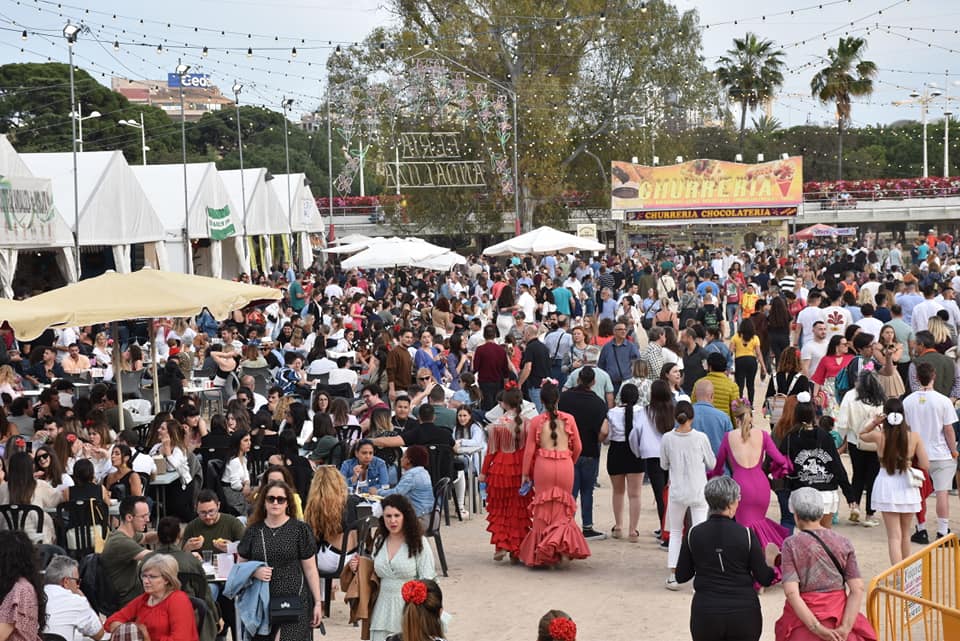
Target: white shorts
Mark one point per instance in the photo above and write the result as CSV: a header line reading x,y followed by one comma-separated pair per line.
x,y
941,473
831,501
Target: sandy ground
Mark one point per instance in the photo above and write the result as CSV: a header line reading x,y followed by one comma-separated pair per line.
x,y
616,594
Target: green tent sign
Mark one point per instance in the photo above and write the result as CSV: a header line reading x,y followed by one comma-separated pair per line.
x,y
219,223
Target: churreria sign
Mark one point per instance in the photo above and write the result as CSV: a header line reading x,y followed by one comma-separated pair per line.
x,y
427,159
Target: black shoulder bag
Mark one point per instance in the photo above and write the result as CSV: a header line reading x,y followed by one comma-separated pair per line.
x,y
830,553
287,608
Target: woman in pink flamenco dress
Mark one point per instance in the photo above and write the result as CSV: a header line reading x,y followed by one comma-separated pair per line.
x,y
553,446
745,450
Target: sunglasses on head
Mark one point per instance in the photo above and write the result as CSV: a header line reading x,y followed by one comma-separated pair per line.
x,y
279,500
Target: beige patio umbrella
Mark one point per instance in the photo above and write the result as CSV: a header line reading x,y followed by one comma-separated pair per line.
x,y
147,293
29,322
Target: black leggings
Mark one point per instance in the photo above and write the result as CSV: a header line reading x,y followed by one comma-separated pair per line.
x,y
746,374
658,481
866,466
779,341
744,625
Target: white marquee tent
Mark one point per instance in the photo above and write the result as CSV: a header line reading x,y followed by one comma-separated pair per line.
x,y
213,216
113,209
265,215
31,221
305,217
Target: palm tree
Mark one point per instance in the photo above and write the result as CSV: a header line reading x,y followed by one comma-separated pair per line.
x,y
846,76
765,126
750,73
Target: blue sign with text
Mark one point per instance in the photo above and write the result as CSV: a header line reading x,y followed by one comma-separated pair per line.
x,y
198,80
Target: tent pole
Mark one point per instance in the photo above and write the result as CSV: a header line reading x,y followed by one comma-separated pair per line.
x,y
153,368
118,370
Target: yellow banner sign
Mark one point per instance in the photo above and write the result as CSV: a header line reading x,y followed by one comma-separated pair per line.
x,y
705,184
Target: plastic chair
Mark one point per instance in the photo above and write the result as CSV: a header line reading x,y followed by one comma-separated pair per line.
x,y
139,409
211,480
15,516
199,612
442,462
78,517
328,577
131,382
433,524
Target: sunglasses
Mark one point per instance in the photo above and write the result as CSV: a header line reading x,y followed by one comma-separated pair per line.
x,y
424,378
43,456
279,500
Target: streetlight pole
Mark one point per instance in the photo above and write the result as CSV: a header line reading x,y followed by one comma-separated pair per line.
x,y
946,143
70,32
237,88
182,70
143,134
929,94
286,104
329,159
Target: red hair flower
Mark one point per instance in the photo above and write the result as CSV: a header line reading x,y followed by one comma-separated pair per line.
x,y
414,592
563,629
509,385
20,443
71,438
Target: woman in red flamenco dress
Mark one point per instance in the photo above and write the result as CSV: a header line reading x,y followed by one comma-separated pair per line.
x,y
553,446
508,513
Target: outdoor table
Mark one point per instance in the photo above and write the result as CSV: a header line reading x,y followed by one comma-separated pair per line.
x,y
160,483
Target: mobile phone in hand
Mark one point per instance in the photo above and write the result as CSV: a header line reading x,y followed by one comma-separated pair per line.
x,y
323,629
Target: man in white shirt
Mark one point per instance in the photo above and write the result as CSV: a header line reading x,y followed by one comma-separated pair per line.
x,y
947,300
527,303
868,323
333,290
68,612
343,374
65,338
931,415
808,316
476,335
814,349
923,311
836,316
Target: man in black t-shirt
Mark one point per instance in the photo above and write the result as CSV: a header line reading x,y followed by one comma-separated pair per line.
x,y
425,433
534,366
590,414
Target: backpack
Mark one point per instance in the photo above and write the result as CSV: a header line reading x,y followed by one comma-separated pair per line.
x,y
96,585
844,380
778,401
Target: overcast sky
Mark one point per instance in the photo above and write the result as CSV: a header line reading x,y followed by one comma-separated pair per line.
x,y
904,65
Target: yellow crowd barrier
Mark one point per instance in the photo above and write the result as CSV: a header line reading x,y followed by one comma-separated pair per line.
x,y
917,599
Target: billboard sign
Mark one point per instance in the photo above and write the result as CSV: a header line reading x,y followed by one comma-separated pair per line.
x,y
190,80
707,185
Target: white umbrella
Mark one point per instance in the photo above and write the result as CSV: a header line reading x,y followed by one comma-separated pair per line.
x,y
352,248
543,240
394,252
352,238
443,262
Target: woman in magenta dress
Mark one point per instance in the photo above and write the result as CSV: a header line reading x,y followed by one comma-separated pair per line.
x,y
745,450
553,446
508,513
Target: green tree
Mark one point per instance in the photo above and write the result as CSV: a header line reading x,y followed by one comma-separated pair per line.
x,y
750,74
846,76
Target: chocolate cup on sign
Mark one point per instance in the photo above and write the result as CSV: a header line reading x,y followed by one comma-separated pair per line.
x,y
626,192
785,186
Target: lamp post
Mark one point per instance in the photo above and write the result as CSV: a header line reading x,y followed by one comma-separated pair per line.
x,y
182,70
143,133
286,105
70,32
237,88
930,93
79,117
946,143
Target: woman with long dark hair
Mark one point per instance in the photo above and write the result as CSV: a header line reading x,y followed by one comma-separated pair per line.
x,y
657,420
508,515
623,466
859,407
23,611
422,612
552,447
747,356
21,488
778,327
894,496
824,383
506,306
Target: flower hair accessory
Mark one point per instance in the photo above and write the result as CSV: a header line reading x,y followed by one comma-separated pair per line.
x,y
563,629
71,438
868,366
894,418
20,443
414,592
552,381
509,385
804,397
740,403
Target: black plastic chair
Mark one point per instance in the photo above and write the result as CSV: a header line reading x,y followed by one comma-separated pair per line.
x,y
433,524
80,518
47,551
15,516
442,465
199,612
211,481
328,577
258,459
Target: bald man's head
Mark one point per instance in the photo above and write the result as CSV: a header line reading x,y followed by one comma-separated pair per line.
x,y
703,390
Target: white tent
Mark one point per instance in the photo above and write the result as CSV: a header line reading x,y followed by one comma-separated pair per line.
x,y
395,252
443,262
113,209
265,213
31,221
350,239
543,240
305,217
213,216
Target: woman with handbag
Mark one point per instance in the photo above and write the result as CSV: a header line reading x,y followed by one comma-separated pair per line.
x,y
896,490
788,381
288,549
821,580
401,553
858,408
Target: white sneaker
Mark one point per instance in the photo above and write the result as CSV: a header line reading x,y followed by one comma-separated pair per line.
x,y
672,583
870,522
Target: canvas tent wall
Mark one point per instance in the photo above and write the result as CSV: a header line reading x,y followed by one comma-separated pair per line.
x,y
265,215
213,217
304,216
31,220
113,209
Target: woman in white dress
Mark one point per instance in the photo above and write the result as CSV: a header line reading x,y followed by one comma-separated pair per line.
x,y
894,496
401,553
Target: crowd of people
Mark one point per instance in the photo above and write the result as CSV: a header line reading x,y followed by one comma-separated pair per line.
x,y
523,375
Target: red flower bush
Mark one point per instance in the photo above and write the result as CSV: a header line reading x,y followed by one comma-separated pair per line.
x,y
414,592
883,188
563,629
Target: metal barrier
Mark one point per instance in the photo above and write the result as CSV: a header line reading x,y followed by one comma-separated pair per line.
x,y
918,597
